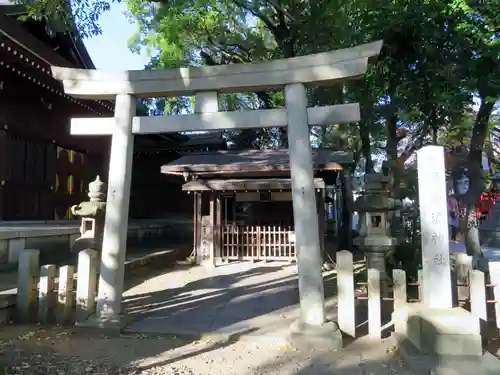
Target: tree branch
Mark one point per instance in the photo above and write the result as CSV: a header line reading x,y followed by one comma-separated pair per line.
x,y
270,25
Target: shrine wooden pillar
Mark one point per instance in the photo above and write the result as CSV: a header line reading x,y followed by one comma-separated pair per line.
x,y
218,229
320,203
214,232
196,224
4,168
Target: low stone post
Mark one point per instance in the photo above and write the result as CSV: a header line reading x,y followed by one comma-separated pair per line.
x,y
400,299
374,305
399,289
463,268
27,280
346,298
65,294
494,268
47,294
478,295
16,245
86,286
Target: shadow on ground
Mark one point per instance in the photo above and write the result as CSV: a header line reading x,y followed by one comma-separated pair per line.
x,y
72,351
235,303
256,299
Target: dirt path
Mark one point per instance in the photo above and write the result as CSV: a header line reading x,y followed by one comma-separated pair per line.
x,y
35,350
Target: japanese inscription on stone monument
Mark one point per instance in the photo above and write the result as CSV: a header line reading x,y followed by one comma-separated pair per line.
x,y
206,238
434,228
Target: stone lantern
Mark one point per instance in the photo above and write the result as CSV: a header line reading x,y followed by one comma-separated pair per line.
x,y
92,214
375,208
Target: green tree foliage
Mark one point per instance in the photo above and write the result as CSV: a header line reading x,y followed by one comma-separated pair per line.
x,y
83,16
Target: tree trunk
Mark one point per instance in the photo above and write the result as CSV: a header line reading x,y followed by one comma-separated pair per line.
x,y
345,237
476,184
434,135
392,141
472,242
364,134
362,95
391,168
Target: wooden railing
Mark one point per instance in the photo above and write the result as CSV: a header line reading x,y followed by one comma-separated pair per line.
x,y
258,242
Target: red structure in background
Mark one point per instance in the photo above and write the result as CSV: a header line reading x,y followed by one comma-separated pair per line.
x,y
486,202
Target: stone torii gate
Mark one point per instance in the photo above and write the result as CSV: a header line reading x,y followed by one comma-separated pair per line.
x,y
294,75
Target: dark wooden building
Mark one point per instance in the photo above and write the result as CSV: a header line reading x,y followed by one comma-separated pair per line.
x,y
43,169
246,197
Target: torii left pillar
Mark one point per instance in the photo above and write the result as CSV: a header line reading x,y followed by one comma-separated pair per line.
x,y
114,244
311,329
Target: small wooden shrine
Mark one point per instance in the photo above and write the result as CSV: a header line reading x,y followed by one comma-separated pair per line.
x,y
243,201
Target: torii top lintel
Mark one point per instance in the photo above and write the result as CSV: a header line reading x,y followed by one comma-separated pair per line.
x,y
312,70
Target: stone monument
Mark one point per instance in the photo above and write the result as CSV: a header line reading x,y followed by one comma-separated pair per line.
x,y
434,327
374,208
92,214
432,197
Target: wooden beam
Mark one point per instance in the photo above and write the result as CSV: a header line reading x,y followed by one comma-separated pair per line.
x,y
247,184
196,223
317,69
218,228
262,118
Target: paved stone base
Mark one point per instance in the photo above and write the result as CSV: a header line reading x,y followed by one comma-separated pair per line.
x,y
325,337
418,362
115,324
440,331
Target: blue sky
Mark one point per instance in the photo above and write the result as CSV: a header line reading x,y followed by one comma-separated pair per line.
x,y
109,50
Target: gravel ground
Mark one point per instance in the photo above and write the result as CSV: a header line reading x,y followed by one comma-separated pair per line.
x,y
58,351
40,350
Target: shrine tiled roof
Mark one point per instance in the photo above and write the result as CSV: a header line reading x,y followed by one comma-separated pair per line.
x,y
252,161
